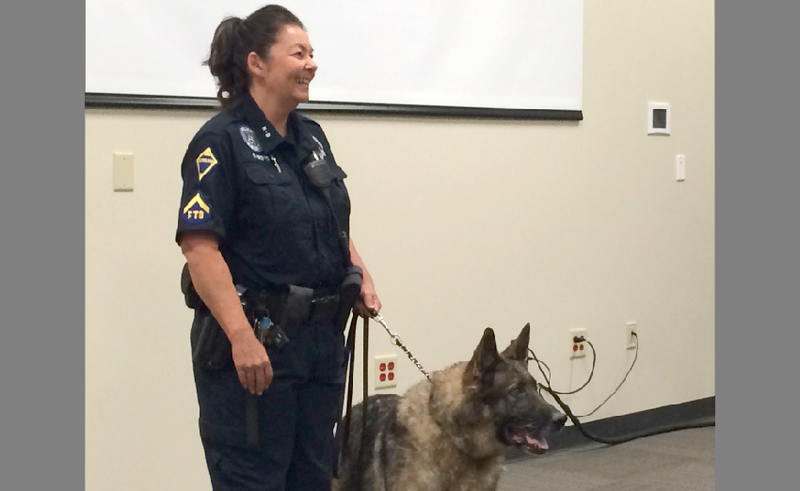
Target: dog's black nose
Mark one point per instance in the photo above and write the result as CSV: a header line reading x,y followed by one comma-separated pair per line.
x,y
558,421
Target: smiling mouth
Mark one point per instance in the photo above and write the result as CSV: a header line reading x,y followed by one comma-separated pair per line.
x,y
304,81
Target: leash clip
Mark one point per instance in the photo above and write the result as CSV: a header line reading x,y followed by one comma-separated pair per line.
x,y
395,337
399,342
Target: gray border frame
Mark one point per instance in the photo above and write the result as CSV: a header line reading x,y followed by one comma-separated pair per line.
x,y
757,236
42,213
42,259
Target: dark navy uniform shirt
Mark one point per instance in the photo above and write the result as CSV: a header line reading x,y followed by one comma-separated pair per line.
x,y
245,183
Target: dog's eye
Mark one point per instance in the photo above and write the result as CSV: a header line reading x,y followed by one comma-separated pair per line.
x,y
520,388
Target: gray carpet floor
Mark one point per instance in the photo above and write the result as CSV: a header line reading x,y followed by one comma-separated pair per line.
x,y
680,460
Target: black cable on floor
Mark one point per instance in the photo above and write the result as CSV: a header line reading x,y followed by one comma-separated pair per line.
x,y
633,436
605,440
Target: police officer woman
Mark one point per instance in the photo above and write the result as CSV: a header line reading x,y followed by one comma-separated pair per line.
x,y
266,241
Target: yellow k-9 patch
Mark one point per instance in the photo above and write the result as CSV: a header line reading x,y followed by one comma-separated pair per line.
x,y
205,162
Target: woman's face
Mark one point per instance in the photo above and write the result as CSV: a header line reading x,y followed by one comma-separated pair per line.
x,y
291,66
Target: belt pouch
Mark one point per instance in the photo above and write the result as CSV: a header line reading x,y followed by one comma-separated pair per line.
x,y
297,306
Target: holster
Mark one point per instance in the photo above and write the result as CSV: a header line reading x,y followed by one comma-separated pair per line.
x,y
211,349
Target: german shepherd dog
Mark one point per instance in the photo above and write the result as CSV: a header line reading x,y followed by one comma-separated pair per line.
x,y
450,434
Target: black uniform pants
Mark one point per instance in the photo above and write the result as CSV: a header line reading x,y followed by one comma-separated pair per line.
x,y
296,416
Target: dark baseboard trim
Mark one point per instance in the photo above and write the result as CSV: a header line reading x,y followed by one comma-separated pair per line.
x,y
697,411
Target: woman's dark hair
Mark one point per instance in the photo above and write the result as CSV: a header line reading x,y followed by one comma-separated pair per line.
x,y
234,39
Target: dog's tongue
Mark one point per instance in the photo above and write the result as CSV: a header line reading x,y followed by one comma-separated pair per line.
x,y
540,443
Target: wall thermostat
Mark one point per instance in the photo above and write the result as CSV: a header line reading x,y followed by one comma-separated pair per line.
x,y
658,116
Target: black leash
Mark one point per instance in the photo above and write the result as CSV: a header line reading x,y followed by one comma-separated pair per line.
x,y
364,395
343,431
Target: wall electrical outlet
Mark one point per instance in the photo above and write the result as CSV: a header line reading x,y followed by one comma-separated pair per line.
x,y
630,339
578,349
385,372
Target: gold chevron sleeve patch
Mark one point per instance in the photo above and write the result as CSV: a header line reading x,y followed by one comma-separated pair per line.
x,y
197,200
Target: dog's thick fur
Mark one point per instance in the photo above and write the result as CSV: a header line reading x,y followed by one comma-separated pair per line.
x,y
450,434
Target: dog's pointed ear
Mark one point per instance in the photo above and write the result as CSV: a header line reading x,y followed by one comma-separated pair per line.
x,y
518,349
483,359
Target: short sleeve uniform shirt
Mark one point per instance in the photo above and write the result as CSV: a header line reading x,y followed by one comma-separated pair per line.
x,y
244,182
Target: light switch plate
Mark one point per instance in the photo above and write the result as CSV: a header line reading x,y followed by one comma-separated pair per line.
x,y
680,167
123,171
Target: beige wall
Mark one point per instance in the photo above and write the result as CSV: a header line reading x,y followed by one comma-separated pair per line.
x,y
464,224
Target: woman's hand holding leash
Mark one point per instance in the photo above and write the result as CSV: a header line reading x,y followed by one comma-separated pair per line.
x,y
368,303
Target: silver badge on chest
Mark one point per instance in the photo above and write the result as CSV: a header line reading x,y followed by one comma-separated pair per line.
x,y
249,137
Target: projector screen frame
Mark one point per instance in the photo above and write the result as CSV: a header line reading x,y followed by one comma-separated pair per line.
x,y
95,100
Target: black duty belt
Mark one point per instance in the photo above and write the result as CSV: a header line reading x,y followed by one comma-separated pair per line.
x,y
296,305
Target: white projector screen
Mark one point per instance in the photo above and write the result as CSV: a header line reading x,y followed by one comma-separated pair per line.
x,y
506,55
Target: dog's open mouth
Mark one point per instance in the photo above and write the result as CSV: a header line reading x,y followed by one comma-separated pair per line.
x,y
526,435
